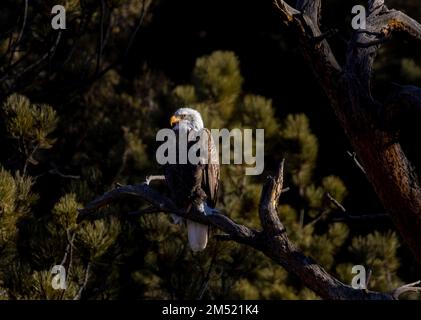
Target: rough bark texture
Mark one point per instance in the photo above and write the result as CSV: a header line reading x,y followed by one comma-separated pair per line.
x,y
369,124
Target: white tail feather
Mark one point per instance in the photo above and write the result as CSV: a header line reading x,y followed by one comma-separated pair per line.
x,y
198,235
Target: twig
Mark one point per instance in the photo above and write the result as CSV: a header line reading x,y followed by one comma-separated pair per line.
x,y
42,59
353,155
121,59
335,202
62,175
68,252
285,189
136,30
30,158
85,282
101,37
18,40
149,179
360,217
207,277
411,287
68,248
317,219
368,278
350,216
326,212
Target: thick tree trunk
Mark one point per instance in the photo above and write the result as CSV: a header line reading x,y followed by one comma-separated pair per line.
x,y
365,120
392,176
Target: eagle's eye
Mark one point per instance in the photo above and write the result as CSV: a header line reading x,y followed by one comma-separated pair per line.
x,y
187,117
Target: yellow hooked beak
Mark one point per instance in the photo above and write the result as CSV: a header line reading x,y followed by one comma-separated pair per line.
x,y
174,120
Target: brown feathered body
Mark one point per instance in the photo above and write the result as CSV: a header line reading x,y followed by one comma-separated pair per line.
x,y
195,186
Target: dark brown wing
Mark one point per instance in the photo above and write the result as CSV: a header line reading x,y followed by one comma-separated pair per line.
x,y
185,181
210,184
210,180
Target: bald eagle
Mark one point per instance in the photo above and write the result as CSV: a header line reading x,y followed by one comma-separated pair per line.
x,y
193,186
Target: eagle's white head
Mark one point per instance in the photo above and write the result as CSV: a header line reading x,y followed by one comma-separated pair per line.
x,y
187,118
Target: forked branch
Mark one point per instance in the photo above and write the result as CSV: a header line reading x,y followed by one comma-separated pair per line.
x,y
273,240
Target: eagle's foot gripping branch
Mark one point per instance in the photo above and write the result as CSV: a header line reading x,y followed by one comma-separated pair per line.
x,y
210,211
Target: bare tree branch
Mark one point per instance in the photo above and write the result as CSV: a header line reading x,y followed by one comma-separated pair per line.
x,y
68,254
137,28
269,203
55,171
85,282
143,191
149,179
68,247
272,241
18,74
101,37
354,158
18,40
412,287
335,202
206,279
359,217
395,21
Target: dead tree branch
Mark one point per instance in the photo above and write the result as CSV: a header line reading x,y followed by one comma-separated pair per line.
x,y
347,216
273,240
269,203
85,282
354,158
412,287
